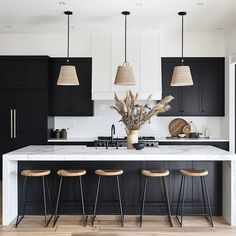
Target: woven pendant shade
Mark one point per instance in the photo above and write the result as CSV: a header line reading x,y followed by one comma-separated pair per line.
x,y
125,75
68,76
181,76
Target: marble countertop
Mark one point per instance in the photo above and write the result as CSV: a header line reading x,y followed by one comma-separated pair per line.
x,y
82,153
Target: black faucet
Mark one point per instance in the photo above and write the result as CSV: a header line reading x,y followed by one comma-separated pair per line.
x,y
113,131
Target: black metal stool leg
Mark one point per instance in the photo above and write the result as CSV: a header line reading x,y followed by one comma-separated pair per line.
x,y
56,215
45,203
49,195
143,202
167,200
180,190
121,208
85,217
96,200
182,208
208,202
24,196
49,199
203,197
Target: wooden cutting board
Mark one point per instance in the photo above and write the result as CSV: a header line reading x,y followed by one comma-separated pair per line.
x,y
176,126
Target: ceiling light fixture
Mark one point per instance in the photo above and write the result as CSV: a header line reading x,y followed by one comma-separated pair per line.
x,y
61,3
182,74
200,3
139,4
68,75
125,74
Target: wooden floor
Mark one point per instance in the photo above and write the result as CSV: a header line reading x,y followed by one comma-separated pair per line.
x,y
110,225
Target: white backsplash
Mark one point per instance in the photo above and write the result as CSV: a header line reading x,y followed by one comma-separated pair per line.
x,y
104,117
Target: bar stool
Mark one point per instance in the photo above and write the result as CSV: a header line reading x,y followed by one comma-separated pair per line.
x,y
35,173
73,174
194,173
159,173
111,173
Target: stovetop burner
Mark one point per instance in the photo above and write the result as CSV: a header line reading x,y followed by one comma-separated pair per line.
x,y
146,138
141,138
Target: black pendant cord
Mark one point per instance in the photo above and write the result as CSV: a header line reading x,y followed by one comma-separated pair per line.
x,y
68,39
125,13
126,39
182,60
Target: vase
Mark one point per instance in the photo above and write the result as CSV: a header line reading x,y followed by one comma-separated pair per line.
x,y
132,137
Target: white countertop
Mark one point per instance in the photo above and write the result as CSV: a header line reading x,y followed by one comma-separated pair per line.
x,y
82,153
159,139
164,139
79,139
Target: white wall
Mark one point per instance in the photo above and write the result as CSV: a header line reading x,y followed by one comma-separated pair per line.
x,y
230,52
196,45
45,44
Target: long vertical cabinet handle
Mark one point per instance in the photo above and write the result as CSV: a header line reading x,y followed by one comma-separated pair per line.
x,y
11,115
14,112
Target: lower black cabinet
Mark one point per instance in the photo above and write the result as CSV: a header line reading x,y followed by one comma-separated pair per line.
x,y
23,119
72,100
205,97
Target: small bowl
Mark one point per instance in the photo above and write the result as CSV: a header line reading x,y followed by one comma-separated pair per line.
x,y
138,146
181,135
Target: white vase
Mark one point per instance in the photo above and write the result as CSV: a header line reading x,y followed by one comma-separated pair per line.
x,y
132,137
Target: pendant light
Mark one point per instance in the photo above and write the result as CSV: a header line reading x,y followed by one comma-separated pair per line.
x,y
182,74
125,74
68,75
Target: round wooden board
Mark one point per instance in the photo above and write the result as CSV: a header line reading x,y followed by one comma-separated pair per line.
x,y
186,130
176,126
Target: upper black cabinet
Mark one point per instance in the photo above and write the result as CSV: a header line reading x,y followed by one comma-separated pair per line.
x,y
205,97
71,100
23,71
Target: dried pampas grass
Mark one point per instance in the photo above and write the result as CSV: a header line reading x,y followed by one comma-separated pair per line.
x,y
134,115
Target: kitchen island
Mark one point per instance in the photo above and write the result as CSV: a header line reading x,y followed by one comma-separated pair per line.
x,y
219,163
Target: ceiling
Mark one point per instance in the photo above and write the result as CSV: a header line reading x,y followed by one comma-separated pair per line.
x,y
46,16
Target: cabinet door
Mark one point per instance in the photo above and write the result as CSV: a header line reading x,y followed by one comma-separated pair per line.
x,y
212,89
23,72
22,118
190,97
72,100
38,116
37,72
7,142
101,77
167,71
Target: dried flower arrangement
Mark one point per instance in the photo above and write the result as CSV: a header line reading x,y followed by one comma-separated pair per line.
x,y
134,115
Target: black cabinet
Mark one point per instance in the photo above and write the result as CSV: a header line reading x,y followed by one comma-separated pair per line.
x,y
23,119
23,71
212,89
71,100
131,185
23,102
205,97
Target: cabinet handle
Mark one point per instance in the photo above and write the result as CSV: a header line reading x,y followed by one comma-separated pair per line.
x,y
11,123
14,118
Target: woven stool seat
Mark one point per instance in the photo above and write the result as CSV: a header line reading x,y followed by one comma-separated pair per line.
x,y
71,173
155,173
108,172
35,173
